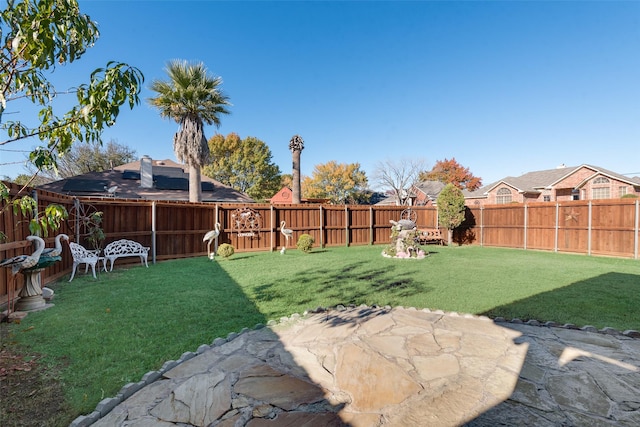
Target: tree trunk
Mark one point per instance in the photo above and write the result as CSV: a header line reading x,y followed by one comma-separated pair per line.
x,y
449,236
296,198
195,189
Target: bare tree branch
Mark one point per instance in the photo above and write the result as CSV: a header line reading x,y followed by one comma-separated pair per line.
x,y
397,176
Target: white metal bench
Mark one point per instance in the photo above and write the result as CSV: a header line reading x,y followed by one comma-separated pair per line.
x,y
83,256
125,248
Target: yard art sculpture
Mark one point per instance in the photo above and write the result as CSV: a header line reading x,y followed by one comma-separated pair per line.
x,y
404,241
210,237
287,233
30,266
57,249
246,222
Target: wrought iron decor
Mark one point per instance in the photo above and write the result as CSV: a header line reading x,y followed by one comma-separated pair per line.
x,y
246,222
409,214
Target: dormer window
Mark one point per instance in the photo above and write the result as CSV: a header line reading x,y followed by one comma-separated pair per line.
x,y
503,196
600,180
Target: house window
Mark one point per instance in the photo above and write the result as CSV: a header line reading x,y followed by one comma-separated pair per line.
x,y
622,190
503,196
575,194
600,193
601,180
546,198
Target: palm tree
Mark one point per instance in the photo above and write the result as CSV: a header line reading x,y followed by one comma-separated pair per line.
x,y
191,97
296,145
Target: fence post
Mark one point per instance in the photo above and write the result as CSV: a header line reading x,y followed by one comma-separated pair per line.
x,y
346,222
635,231
526,221
34,196
481,225
321,227
371,225
76,204
555,237
153,232
589,230
271,236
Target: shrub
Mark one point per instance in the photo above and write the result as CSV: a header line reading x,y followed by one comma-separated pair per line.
x,y
629,196
305,243
225,250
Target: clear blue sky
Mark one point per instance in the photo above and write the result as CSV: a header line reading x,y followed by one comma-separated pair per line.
x,y
504,87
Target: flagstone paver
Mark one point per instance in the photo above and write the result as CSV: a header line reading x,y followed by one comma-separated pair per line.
x,y
364,366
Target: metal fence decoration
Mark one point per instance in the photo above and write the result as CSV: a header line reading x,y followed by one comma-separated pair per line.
x,y
246,222
409,214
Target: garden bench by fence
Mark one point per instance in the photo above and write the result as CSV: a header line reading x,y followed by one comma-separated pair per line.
x,y
125,248
83,256
430,235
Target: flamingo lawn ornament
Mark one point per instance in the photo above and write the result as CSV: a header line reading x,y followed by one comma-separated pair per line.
x,y
210,237
23,262
287,233
57,250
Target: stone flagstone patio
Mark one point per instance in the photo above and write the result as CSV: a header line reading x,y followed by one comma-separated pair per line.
x,y
365,366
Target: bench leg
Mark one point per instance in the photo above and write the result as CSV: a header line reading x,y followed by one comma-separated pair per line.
x,y
73,271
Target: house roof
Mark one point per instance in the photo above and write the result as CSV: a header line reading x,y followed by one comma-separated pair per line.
x,y
430,188
534,182
170,182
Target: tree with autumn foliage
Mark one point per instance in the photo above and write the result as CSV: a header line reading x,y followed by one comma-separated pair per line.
x,y
452,172
341,183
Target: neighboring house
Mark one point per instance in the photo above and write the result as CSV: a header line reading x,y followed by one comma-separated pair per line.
x,y
584,182
145,179
423,193
285,196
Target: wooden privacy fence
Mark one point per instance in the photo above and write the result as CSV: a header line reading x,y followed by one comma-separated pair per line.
x,y
597,227
175,229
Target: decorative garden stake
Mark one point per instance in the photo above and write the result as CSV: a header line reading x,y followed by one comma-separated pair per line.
x,y
210,237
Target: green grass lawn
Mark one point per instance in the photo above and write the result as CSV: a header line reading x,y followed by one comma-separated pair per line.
x,y
108,332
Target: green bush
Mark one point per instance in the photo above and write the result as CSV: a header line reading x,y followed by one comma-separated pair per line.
x,y
305,243
225,250
629,196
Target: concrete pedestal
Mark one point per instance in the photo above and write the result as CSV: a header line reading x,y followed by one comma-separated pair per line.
x,y
31,294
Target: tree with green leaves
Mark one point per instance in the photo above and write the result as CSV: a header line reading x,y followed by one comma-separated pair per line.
x,y
451,209
243,164
341,183
35,38
191,97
